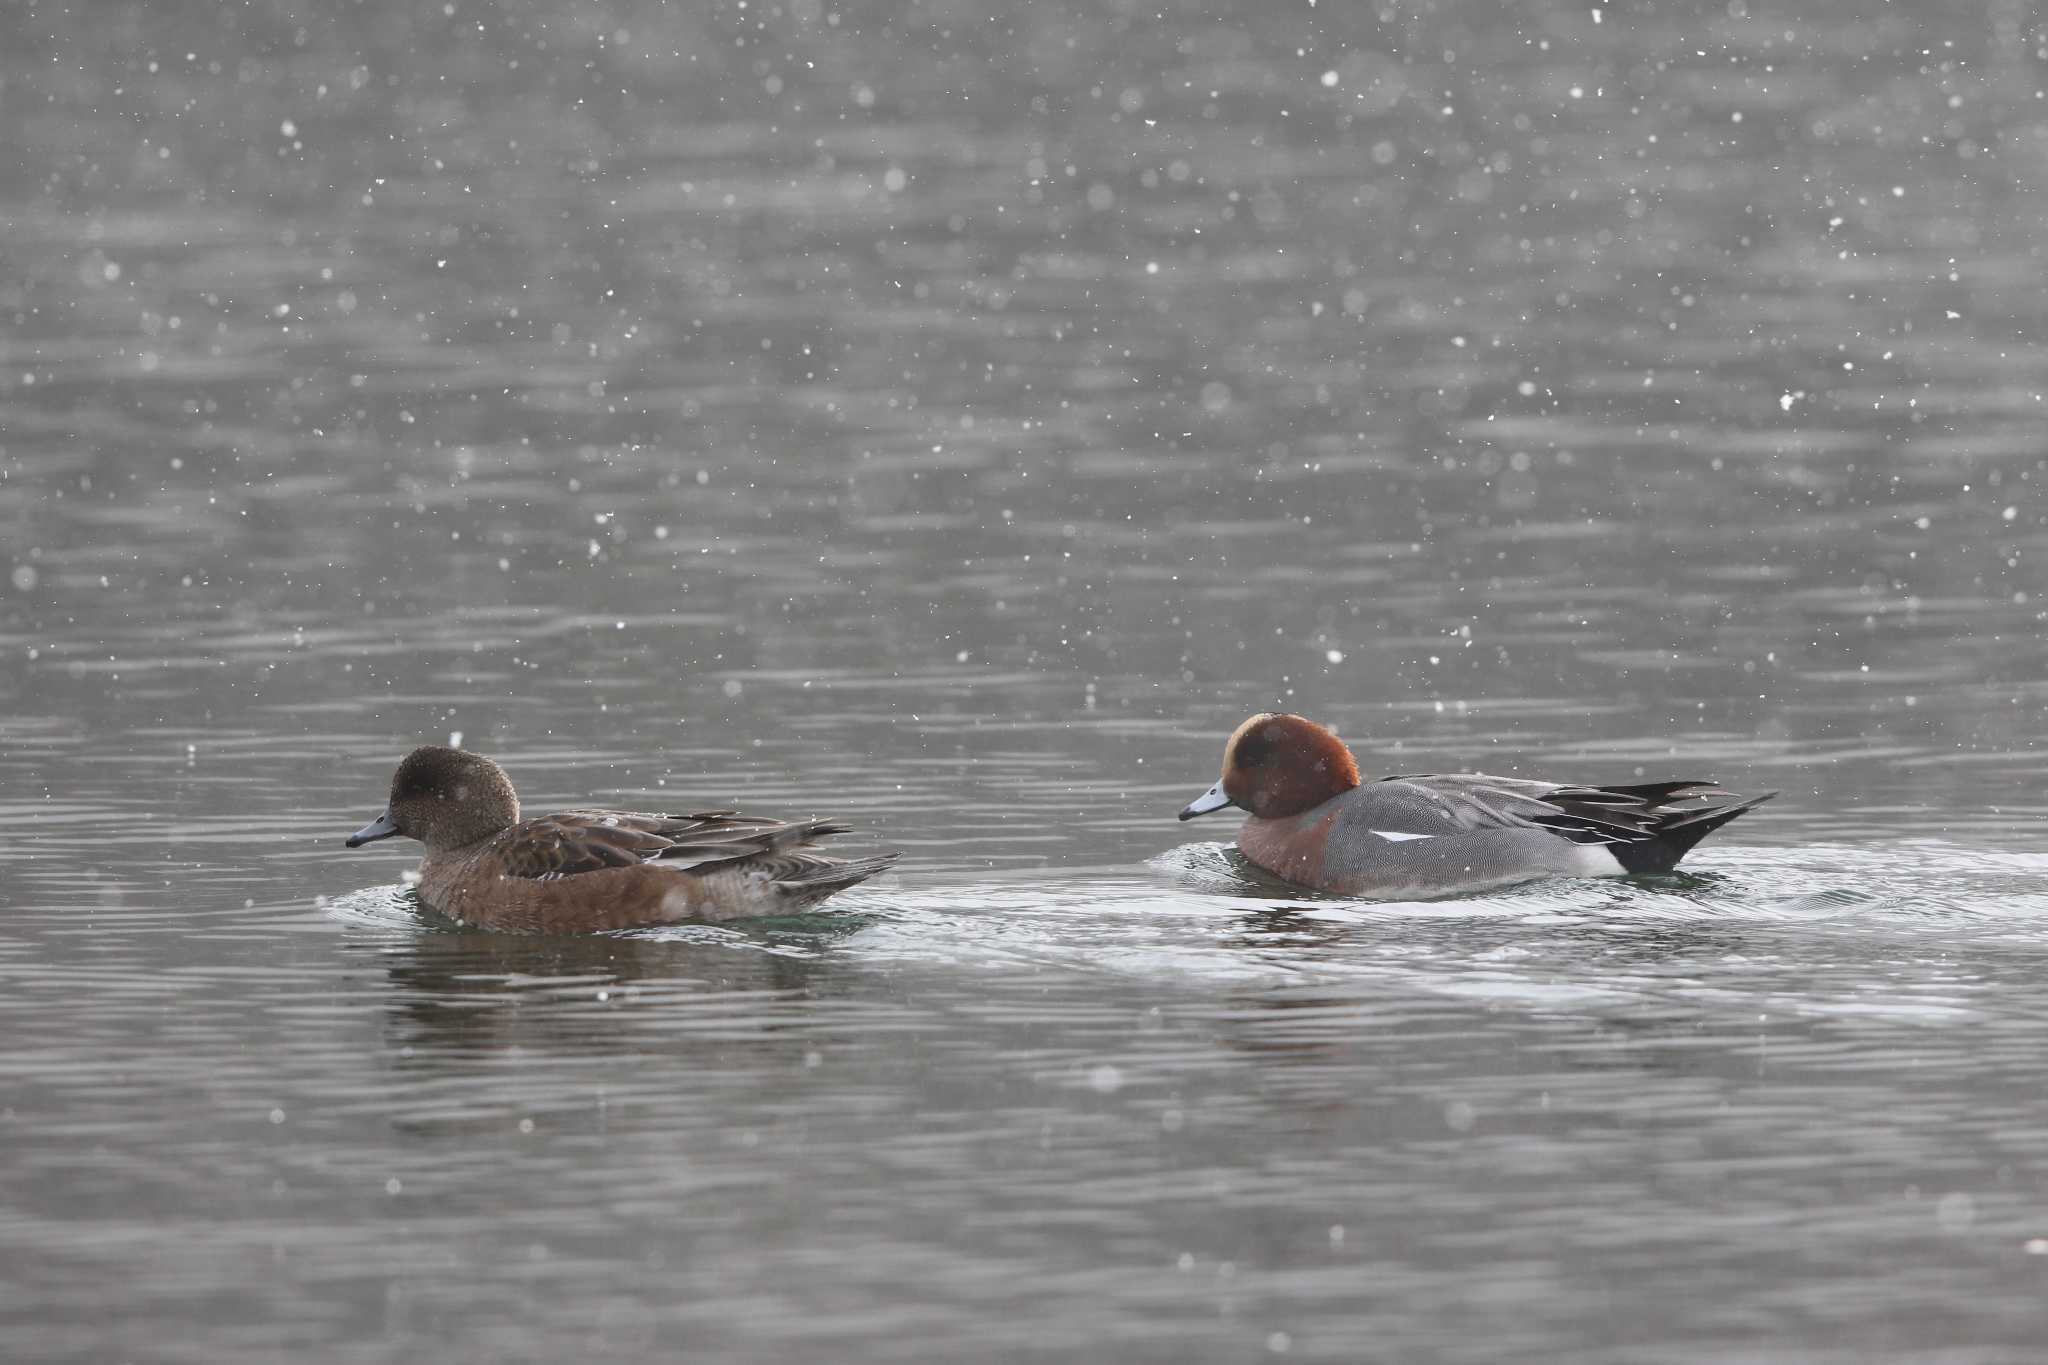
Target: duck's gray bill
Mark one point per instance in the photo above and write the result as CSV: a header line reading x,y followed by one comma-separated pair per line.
x,y
1212,799
383,827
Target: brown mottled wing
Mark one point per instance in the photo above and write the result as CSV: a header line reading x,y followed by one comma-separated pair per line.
x,y
574,841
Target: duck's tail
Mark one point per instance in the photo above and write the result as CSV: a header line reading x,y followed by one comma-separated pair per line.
x,y
1671,840
821,877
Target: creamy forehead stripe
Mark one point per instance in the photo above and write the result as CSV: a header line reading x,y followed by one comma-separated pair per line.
x,y
1230,745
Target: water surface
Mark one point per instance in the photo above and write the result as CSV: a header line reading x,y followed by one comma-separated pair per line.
x,y
959,421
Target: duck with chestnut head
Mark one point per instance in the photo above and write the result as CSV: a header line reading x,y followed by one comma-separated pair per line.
x,y
1311,821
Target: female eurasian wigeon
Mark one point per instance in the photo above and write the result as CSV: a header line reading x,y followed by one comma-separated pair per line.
x,y
596,869
1315,824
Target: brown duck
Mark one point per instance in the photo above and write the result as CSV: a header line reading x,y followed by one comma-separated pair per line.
x,y
581,870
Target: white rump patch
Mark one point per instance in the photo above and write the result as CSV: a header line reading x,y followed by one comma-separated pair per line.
x,y
1394,836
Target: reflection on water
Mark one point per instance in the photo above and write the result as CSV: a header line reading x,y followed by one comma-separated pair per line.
x,y
957,423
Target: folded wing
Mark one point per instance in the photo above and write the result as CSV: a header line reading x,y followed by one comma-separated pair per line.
x,y
577,841
1647,827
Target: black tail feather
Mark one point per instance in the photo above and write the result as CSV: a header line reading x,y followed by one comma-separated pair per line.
x,y
1672,840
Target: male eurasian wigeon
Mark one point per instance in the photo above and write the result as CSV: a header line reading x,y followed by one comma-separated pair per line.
x,y
584,870
1314,823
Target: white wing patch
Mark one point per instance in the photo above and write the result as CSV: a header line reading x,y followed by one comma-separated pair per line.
x,y
1394,836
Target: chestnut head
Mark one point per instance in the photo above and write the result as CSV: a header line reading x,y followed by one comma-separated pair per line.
x,y
1276,765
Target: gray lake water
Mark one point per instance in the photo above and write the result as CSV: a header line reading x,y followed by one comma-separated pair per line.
x,y
955,418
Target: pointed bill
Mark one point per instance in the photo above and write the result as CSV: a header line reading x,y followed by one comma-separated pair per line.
x,y
383,827
1212,799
